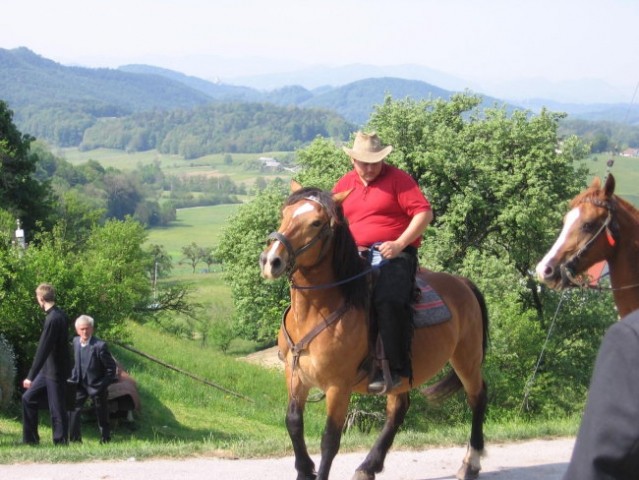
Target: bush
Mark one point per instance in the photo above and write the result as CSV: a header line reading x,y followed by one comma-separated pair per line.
x,y
7,372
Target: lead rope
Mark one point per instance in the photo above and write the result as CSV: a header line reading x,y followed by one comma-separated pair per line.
x,y
531,380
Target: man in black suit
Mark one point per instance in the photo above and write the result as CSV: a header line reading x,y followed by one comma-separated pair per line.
x,y
46,379
607,446
93,372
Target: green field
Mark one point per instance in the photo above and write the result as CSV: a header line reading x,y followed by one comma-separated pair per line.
x,y
202,225
625,170
210,165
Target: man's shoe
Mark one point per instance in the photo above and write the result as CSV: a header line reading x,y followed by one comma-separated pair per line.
x,y
105,440
378,383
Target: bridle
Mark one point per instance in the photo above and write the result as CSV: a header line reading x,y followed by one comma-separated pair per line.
x,y
325,233
567,268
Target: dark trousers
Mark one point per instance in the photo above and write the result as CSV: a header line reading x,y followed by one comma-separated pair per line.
x,y
44,390
392,298
101,404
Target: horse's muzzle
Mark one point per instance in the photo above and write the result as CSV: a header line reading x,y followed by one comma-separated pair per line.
x,y
272,265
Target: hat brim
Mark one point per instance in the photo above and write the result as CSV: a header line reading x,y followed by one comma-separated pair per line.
x,y
369,157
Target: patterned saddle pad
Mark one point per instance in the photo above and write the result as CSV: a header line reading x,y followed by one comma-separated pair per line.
x,y
429,309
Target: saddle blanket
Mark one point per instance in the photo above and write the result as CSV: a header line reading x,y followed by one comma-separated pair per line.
x,y
429,309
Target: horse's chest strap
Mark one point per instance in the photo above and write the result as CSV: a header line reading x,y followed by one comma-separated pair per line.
x,y
297,348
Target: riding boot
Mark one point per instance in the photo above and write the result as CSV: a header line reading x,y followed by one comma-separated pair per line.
x,y
392,319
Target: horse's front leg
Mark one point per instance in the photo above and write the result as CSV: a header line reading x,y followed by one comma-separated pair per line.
x,y
295,426
337,400
396,408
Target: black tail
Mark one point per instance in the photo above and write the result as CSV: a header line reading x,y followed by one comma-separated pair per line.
x,y
484,315
440,391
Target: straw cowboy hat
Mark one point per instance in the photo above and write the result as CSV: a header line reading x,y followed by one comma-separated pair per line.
x,y
368,148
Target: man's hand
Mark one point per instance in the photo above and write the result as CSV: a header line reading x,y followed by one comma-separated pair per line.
x,y
390,249
26,383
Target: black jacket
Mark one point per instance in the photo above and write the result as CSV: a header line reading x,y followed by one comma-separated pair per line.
x,y
101,369
52,357
607,446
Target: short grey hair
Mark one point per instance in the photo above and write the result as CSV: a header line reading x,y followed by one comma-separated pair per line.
x,y
84,319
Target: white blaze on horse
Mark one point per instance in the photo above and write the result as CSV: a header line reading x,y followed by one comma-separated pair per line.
x,y
324,337
600,226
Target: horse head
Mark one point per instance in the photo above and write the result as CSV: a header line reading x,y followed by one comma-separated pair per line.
x,y
588,236
309,218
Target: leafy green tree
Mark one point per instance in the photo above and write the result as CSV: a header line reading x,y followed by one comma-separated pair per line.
x,y
160,262
123,194
192,255
258,304
207,255
20,192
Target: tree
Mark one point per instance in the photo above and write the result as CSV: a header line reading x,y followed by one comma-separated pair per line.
x,y
20,192
258,304
207,255
192,253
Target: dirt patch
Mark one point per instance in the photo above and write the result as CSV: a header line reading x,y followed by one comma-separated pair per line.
x,y
266,358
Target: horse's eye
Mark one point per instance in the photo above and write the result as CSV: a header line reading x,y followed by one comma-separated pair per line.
x,y
316,224
588,227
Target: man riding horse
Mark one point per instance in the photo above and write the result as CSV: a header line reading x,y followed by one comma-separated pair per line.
x,y
386,210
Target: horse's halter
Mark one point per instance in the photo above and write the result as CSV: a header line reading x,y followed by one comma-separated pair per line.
x,y
567,267
325,233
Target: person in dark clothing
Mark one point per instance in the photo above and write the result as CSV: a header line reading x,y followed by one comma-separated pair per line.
x,y
386,210
48,374
93,372
607,446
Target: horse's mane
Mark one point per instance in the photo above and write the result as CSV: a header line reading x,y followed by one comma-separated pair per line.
x,y
346,261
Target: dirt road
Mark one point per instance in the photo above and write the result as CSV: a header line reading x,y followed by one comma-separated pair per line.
x,y
532,460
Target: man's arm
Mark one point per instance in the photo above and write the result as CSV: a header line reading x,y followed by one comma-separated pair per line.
x,y
45,346
415,229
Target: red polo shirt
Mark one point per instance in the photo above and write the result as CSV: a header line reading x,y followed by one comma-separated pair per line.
x,y
381,211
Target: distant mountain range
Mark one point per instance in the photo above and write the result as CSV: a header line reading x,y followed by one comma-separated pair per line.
x,y
41,91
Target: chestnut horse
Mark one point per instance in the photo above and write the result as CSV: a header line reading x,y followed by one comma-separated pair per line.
x,y
324,337
599,226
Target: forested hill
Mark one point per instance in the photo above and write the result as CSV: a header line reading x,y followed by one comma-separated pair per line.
x,y
354,101
218,128
27,80
61,104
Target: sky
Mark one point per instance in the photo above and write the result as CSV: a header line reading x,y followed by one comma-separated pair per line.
x,y
485,41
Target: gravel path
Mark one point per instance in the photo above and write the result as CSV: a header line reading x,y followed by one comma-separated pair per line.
x,y
531,460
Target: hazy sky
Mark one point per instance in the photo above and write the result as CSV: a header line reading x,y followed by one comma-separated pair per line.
x,y
489,40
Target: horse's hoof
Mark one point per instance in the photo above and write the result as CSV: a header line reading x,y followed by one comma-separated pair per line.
x,y
467,472
362,475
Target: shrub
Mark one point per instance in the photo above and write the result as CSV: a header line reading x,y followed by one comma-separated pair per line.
x,y
7,372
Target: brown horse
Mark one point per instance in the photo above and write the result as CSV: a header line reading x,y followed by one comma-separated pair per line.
x,y
599,226
324,338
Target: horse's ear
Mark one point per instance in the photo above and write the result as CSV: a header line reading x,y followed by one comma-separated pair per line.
x,y
341,196
596,183
295,186
609,187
